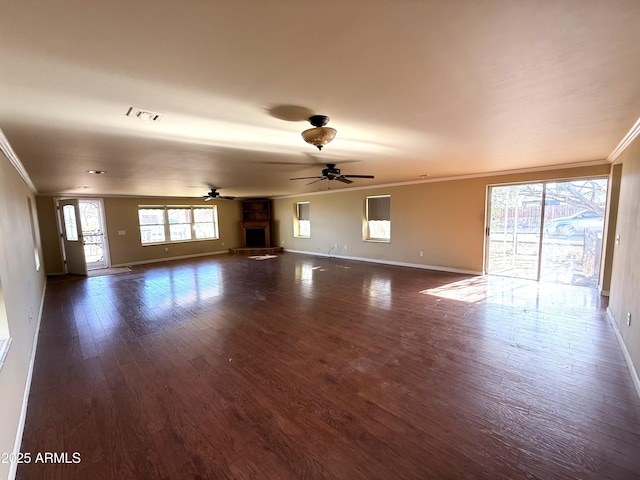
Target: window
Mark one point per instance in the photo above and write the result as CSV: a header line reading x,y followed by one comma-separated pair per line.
x,y
166,224
302,225
378,215
179,224
151,225
204,223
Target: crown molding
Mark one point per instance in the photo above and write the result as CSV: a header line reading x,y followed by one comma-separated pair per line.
x,y
624,143
5,146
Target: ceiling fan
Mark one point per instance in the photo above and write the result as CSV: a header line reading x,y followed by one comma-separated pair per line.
x,y
332,173
215,195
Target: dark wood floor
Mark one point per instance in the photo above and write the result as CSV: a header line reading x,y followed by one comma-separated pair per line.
x,y
308,368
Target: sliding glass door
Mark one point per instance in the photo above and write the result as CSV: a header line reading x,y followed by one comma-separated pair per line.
x,y
549,231
514,230
573,231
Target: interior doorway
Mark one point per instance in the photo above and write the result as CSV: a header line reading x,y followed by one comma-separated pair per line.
x,y
83,233
549,231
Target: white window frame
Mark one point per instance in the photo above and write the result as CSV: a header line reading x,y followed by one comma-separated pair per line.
x,y
167,228
163,224
195,223
301,226
188,224
367,235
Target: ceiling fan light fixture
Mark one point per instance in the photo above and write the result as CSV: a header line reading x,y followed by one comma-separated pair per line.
x,y
320,135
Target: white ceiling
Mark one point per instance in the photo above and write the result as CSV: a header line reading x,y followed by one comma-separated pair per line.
x,y
414,87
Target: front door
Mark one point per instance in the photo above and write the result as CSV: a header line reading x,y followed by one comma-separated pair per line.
x,y
72,240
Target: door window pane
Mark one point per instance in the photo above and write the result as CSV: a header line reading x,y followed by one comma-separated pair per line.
x,y
573,231
514,230
70,225
92,235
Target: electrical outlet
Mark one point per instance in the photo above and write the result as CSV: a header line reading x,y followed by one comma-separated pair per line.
x,y
629,318
345,247
166,249
335,245
421,253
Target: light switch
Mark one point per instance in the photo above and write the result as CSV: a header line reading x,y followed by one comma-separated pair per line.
x,y
122,232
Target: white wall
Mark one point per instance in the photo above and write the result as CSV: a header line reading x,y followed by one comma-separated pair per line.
x,y
23,291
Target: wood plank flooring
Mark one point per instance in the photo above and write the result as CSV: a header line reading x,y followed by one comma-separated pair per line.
x,y
298,367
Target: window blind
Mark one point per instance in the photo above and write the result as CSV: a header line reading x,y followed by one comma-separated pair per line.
x,y
379,208
303,211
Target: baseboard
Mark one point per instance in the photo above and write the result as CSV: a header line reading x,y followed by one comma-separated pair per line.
x,y
27,389
625,352
167,259
390,262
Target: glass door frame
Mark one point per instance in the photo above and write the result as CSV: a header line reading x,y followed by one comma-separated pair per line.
x,y
544,183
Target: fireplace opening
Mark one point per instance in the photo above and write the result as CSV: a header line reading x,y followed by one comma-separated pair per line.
x,y
256,237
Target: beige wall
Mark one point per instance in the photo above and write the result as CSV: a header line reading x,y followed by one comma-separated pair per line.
x,y
22,290
625,281
444,219
121,213
49,233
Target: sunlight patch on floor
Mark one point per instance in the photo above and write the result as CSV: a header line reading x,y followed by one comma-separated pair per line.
x,y
469,290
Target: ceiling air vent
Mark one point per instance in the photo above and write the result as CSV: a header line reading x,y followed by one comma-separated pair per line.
x,y
143,114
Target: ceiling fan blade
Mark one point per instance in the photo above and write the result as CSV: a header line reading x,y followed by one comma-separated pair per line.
x,y
227,198
318,180
306,178
359,176
343,179
207,198
290,164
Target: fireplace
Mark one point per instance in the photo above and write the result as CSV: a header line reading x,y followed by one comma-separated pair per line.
x,y
256,235
255,226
